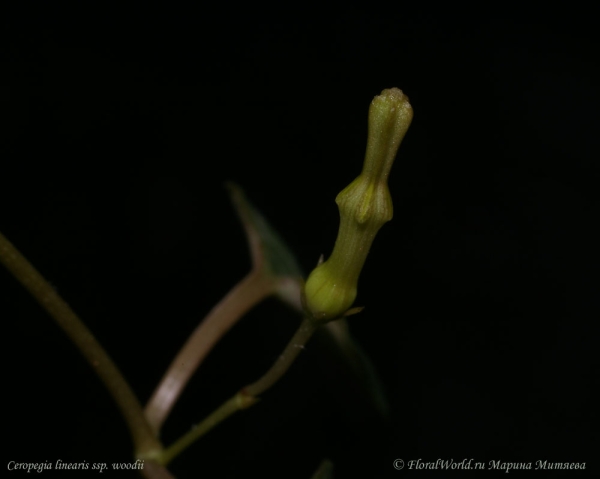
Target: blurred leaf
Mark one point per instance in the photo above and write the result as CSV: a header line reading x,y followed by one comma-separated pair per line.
x,y
277,257
325,470
360,365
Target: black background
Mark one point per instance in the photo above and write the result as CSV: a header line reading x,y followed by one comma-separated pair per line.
x,y
119,128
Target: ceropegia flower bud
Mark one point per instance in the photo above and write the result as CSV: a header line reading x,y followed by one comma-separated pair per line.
x,y
365,205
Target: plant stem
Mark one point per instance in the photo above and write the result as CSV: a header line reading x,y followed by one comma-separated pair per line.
x,y
145,442
248,395
232,405
246,294
284,361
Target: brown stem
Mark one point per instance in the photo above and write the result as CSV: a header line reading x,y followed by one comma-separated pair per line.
x,y
247,293
153,470
145,442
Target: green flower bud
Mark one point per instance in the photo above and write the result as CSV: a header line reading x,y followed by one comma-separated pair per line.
x,y
365,205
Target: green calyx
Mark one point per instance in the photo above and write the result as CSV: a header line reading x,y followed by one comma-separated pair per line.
x,y
365,206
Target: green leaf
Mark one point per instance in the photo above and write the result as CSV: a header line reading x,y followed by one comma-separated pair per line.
x,y
325,470
268,250
358,362
278,258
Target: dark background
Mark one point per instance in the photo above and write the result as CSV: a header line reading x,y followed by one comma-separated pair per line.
x,y
118,129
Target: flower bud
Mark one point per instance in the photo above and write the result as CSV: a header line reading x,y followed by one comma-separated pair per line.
x,y
365,205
